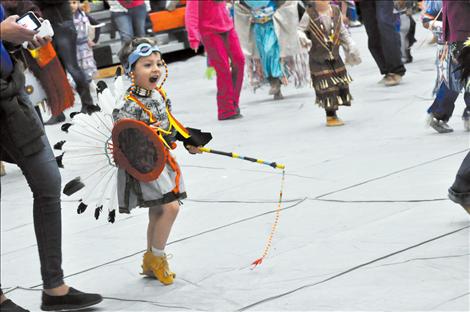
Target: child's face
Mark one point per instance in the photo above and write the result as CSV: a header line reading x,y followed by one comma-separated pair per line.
x,y
74,5
148,70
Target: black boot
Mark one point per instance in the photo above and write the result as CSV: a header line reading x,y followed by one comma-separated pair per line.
x,y
55,120
10,306
72,301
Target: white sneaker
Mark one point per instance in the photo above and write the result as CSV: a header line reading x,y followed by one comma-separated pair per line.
x,y
440,126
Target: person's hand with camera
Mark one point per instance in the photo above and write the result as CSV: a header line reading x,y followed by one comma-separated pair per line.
x,y
15,33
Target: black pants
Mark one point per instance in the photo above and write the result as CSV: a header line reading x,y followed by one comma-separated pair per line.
x,y
65,43
42,174
384,40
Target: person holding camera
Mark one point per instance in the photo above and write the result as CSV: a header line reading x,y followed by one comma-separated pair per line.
x,y
23,141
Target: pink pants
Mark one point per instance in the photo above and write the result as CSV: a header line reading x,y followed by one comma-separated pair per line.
x,y
221,48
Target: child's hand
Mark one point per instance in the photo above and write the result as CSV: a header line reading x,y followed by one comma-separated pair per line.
x,y
353,56
193,149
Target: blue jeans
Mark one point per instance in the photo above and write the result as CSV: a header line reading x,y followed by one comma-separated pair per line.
x,y
130,24
444,103
42,174
351,13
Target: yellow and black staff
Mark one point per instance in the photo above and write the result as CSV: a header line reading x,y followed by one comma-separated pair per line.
x,y
234,155
275,165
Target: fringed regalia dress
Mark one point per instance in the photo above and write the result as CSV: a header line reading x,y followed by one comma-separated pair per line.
x,y
328,72
269,39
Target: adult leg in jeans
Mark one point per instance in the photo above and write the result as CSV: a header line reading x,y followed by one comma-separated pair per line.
x,y
217,51
238,65
369,18
389,37
444,103
65,43
138,16
123,23
42,174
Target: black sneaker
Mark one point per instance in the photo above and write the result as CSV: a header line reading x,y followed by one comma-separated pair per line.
x,y
74,300
10,306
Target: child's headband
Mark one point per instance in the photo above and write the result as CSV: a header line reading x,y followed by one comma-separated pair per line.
x,y
143,49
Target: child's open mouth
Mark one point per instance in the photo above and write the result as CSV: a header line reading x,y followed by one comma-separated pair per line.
x,y
153,79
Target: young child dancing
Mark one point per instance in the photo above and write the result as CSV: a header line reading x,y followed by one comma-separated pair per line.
x,y
324,29
145,101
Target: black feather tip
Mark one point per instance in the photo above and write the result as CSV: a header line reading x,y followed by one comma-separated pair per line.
x,y
58,145
112,216
59,160
65,127
98,211
81,208
74,114
101,86
118,71
73,186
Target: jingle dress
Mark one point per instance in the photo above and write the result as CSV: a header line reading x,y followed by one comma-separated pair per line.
x,y
328,72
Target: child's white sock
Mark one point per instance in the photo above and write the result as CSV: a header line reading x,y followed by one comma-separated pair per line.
x,y
158,252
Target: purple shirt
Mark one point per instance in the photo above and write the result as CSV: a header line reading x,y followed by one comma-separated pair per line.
x,y
455,20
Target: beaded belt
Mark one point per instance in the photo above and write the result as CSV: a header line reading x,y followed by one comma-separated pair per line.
x,y
261,20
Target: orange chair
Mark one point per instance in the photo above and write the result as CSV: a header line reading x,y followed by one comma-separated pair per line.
x,y
166,20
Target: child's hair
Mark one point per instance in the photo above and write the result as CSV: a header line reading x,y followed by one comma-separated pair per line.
x,y
130,46
85,6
